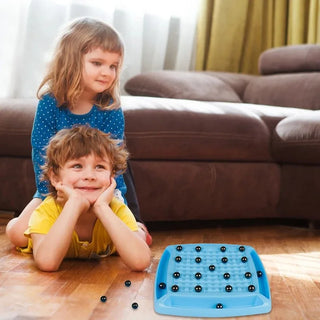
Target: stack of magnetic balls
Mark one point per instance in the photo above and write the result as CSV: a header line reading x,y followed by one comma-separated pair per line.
x,y
127,283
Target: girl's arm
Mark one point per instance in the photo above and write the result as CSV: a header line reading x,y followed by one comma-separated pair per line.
x,y
117,133
44,127
50,249
134,252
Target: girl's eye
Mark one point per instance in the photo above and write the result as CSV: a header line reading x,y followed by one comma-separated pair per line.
x,y
114,67
96,63
100,166
77,166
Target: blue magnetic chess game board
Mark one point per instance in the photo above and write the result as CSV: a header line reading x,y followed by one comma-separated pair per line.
x,y
211,280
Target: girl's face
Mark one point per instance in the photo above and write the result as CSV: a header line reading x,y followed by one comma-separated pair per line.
x,y
99,71
89,175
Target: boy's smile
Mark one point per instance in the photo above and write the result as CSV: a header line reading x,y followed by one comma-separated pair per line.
x,y
90,175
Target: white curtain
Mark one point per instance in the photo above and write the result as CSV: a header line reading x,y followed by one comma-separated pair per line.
x,y
158,34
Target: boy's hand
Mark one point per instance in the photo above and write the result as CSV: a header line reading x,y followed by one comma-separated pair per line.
x,y
107,195
65,193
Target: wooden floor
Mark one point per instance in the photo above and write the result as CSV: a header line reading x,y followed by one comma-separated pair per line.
x,y
290,254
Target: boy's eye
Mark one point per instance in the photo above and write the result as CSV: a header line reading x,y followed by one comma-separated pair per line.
x,y
96,63
114,67
100,166
77,166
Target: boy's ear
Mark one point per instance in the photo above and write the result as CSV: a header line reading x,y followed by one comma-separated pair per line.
x,y
54,178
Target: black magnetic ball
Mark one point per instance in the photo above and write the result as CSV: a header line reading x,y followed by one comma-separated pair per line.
x,y
228,288
198,248
179,248
103,298
244,259
224,260
259,274
212,267
251,288
248,275
127,283
223,249
175,288
198,288
162,285
226,275
198,275
178,259
219,306
242,248
176,274
135,305
197,259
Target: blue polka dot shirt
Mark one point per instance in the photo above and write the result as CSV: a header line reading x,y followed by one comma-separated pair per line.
x,y
50,118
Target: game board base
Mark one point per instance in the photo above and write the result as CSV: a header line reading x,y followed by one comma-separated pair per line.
x,y
193,281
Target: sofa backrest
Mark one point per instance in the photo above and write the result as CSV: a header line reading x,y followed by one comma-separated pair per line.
x,y
290,77
290,59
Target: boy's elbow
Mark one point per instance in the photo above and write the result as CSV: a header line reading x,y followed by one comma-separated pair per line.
x,y
142,263
15,234
47,265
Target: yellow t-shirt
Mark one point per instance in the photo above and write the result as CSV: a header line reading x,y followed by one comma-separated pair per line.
x,y
43,218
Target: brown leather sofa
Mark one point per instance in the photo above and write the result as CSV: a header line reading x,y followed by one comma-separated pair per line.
x,y
254,156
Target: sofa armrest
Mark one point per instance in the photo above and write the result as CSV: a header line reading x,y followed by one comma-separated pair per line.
x,y
289,59
16,119
189,85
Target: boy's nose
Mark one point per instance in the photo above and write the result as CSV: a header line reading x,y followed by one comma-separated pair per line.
x,y
89,174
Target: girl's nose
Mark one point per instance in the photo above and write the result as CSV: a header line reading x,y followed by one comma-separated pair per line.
x,y
106,71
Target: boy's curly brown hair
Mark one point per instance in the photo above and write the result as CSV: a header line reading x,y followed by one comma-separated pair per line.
x,y
80,141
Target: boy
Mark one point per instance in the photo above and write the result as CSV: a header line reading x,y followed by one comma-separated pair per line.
x,y
81,218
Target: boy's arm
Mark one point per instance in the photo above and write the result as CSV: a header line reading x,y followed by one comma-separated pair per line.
x,y
50,249
134,252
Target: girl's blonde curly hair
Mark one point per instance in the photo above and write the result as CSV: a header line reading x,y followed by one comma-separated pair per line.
x,y
63,78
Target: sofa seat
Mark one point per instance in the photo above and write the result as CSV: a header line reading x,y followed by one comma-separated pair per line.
x,y
221,151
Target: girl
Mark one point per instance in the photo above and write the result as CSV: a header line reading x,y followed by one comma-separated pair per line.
x,y
80,87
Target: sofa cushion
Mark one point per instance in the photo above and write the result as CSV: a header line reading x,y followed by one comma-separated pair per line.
x,y
181,85
171,129
237,81
296,139
295,58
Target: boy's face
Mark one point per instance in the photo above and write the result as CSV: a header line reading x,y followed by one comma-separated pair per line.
x,y
89,175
